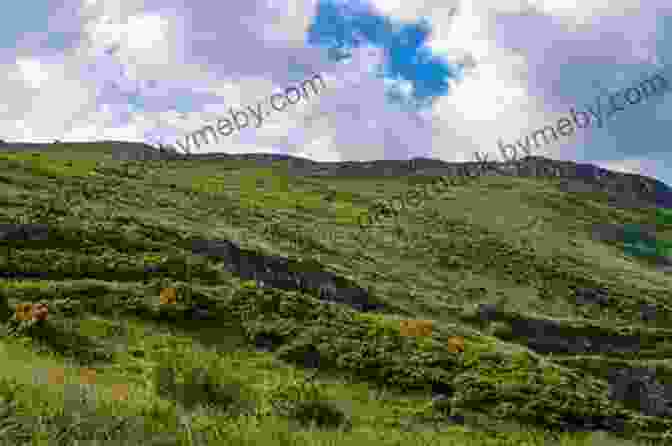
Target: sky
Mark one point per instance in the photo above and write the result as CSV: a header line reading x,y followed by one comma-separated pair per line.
x,y
439,79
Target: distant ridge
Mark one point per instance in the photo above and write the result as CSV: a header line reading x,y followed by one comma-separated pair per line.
x,y
626,190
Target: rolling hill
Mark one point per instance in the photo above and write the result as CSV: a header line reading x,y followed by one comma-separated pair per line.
x,y
238,299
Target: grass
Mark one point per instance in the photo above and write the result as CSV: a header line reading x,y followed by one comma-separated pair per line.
x,y
114,364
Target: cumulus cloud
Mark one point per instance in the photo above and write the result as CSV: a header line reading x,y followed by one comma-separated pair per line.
x,y
403,79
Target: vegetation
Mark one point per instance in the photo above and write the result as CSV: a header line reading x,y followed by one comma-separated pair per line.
x,y
97,344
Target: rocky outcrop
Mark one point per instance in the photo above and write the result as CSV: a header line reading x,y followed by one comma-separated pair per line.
x,y
598,296
622,189
609,232
547,336
282,273
636,387
635,240
23,232
11,234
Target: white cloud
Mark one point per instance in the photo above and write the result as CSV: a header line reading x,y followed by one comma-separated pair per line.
x,y
492,100
32,72
351,119
581,12
48,95
290,22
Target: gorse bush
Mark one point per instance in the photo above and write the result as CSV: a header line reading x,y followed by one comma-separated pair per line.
x,y
322,413
305,401
197,387
478,380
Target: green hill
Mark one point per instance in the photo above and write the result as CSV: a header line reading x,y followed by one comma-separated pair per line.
x,y
292,333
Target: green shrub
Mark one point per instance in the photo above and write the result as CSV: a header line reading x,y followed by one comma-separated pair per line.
x,y
200,388
305,401
324,414
502,330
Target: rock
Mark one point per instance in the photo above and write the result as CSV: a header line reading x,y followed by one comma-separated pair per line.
x,y
311,358
598,296
279,272
24,275
457,418
224,249
638,388
648,312
439,397
267,343
546,336
24,232
150,270
441,389
200,313
588,423
487,312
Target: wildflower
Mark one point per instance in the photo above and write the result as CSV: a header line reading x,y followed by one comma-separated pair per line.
x,y
168,296
456,344
56,376
405,327
416,327
24,312
87,376
425,327
120,391
40,312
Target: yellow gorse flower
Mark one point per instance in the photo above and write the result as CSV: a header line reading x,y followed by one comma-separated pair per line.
x,y
29,311
456,344
87,376
120,391
416,327
24,312
168,296
56,376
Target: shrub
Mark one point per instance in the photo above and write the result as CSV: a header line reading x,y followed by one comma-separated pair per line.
x,y
502,330
322,413
199,389
305,402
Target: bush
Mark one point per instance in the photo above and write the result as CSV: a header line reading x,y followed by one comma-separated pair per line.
x,y
323,414
305,402
502,330
199,389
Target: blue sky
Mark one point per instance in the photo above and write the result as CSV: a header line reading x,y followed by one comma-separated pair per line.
x,y
439,79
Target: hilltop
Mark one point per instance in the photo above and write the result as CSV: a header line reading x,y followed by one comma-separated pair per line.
x,y
286,311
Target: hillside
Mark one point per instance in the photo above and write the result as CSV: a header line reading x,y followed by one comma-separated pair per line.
x,y
548,324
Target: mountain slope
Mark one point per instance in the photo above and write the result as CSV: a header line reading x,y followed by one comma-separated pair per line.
x,y
286,309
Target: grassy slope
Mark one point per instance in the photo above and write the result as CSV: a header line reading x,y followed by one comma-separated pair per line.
x,y
495,240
